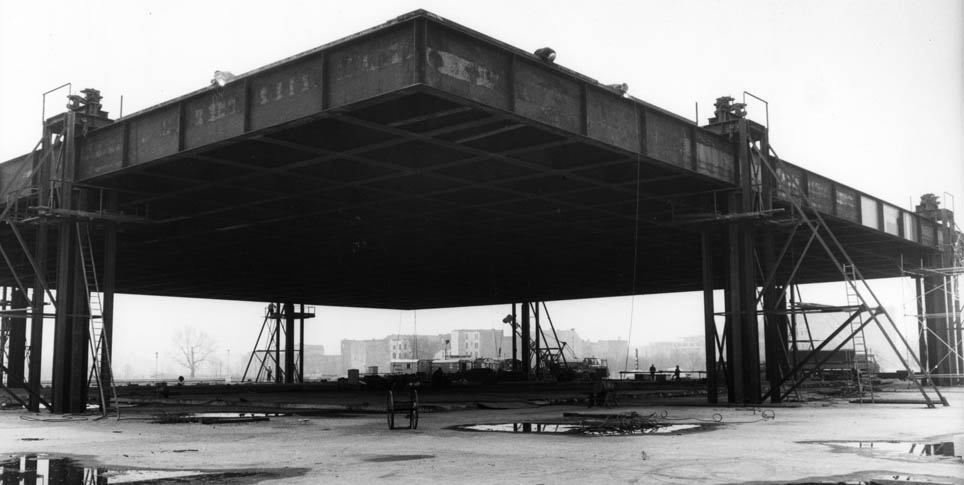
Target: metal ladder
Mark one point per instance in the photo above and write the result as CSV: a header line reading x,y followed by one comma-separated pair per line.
x,y
97,337
863,367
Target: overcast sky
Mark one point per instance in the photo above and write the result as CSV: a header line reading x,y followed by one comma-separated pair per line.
x,y
869,93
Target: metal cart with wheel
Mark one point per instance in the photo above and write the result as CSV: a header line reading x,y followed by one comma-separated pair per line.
x,y
407,408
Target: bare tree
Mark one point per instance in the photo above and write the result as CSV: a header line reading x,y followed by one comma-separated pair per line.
x,y
193,348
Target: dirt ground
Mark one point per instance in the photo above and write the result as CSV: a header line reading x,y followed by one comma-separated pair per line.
x,y
333,443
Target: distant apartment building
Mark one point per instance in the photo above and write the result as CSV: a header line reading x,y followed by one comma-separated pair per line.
x,y
469,344
319,365
476,344
686,352
363,354
614,351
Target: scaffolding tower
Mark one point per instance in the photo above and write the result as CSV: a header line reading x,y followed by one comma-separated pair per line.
x,y
274,361
759,277
63,265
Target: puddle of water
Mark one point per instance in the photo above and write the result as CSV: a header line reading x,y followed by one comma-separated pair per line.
x,y
524,428
869,478
945,448
584,429
387,458
44,469
214,418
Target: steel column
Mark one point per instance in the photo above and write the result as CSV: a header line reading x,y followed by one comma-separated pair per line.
x,y
709,319
741,332
108,286
301,345
64,345
289,311
922,333
79,339
776,338
277,342
748,313
515,329
42,173
774,341
37,318
728,322
63,322
734,317
4,329
526,348
535,310
938,359
17,325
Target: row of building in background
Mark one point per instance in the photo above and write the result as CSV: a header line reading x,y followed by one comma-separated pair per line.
x,y
470,344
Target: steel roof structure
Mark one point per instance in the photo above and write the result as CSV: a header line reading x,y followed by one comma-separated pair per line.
x,y
422,164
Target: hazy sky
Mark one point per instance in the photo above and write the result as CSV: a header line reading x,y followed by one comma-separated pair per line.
x,y
869,93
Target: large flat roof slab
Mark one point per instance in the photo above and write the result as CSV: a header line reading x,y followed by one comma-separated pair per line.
x,y
421,164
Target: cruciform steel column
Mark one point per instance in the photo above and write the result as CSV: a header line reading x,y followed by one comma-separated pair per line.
x,y
515,350
63,323
709,320
741,333
922,340
17,338
301,345
277,342
938,359
109,285
42,181
289,311
80,336
37,318
538,342
526,348
4,329
69,342
774,321
734,318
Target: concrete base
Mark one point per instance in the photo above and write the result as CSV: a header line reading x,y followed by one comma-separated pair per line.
x,y
361,449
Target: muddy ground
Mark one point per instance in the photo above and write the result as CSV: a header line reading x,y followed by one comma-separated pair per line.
x,y
331,436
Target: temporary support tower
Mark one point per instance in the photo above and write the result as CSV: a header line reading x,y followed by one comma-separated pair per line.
x,y
540,356
752,287
67,236
269,361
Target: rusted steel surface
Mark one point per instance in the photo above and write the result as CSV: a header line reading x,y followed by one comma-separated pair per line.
x,y
475,70
367,67
613,121
714,157
15,176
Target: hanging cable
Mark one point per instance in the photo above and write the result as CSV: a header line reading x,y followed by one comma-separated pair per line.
x,y
632,296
